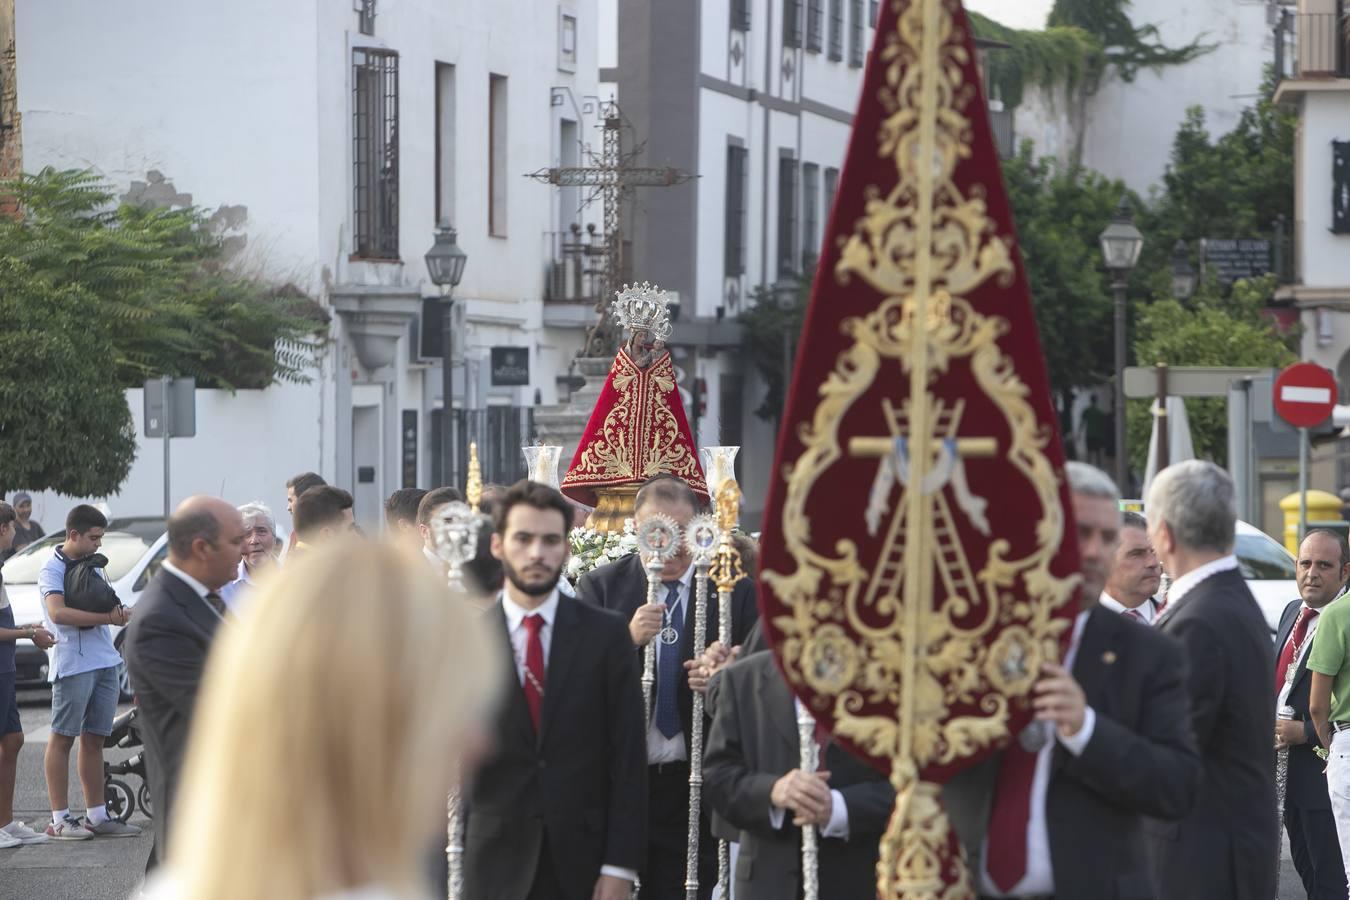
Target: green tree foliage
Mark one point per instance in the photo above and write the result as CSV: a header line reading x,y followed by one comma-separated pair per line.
x,y
64,421
1128,47
766,324
1068,56
1212,330
156,282
1059,213
94,298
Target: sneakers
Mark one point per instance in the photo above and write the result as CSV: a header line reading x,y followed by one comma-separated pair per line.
x,y
110,828
69,830
6,841
20,832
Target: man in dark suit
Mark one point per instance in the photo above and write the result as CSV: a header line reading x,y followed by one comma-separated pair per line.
x,y
1323,567
1060,812
621,586
752,778
167,642
1229,844
559,810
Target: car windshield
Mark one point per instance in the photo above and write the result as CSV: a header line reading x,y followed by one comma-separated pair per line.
x,y
122,548
1261,558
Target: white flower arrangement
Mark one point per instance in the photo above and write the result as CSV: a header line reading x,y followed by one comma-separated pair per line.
x,y
591,548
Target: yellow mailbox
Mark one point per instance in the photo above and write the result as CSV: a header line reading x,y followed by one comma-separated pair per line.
x,y
1322,507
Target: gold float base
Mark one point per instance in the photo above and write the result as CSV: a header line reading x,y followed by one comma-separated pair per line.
x,y
613,505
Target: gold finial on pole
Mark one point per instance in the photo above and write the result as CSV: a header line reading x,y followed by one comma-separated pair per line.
x,y
473,485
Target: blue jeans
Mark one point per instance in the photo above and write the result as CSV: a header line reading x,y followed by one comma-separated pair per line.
x,y
85,703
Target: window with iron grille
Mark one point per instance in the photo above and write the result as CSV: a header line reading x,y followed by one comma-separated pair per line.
x,y
1340,187
787,213
810,213
740,15
498,149
815,20
792,23
855,33
733,238
831,188
836,30
366,19
375,153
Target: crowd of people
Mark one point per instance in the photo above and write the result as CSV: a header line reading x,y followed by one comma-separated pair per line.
x,y
309,703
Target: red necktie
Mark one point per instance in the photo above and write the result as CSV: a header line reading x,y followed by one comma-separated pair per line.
x,y
534,667
1134,614
1305,617
1006,856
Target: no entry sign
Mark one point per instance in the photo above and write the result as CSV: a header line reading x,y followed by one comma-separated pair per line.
x,y
1305,395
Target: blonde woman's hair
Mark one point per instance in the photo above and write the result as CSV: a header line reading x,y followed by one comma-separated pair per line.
x,y
327,730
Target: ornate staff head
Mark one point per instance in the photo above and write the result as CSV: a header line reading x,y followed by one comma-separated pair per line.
x,y
659,540
455,530
701,536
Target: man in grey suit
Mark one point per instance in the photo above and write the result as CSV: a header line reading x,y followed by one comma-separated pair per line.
x,y
168,639
752,779
1229,845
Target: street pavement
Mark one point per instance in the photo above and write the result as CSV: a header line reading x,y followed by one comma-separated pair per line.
x,y
111,868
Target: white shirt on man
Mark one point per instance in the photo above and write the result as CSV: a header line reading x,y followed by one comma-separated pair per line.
x,y
1303,648
662,749
1148,610
1039,877
1188,582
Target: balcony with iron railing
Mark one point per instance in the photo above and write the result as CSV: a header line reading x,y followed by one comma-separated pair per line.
x,y
1312,45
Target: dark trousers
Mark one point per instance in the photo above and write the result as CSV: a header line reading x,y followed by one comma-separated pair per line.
x,y
546,885
668,837
1316,851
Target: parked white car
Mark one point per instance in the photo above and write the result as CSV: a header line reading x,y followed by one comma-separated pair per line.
x,y
1270,570
135,548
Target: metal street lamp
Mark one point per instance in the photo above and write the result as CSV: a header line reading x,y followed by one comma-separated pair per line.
x,y
1121,243
445,264
785,296
1184,276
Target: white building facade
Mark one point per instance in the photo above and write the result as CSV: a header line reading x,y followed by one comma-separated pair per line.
x,y
756,98
1317,83
335,136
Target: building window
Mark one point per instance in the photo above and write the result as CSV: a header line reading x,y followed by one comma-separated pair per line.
x,y
1340,187
873,10
810,214
445,142
792,23
375,152
567,43
815,21
855,33
787,213
366,16
740,15
831,187
497,155
836,30
733,248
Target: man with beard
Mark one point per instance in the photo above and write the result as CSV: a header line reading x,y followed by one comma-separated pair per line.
x,y
1136,574
1323,566
559,810
260,552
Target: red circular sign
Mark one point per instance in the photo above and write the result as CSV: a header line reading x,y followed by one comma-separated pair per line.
x,y
1305,394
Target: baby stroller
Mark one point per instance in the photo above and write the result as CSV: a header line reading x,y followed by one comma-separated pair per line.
x,y
119,798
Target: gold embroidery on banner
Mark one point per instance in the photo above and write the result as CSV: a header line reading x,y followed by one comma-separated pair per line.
x,y
640,436
922,246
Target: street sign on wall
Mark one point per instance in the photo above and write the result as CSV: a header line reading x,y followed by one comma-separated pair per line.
x,y
182,410
1304,395
510,366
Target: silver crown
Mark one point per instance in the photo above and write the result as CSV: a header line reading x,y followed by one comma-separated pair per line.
x,y
643,307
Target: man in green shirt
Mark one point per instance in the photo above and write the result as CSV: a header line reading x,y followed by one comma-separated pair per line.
x,y
1329,709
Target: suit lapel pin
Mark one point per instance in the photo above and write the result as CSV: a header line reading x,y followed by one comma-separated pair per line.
x,y
1109,657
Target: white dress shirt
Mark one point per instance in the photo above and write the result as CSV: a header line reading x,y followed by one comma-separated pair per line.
x,y
1303,649
1039,877
201,589
1186,583
662,749
520,638
1148,610
837,827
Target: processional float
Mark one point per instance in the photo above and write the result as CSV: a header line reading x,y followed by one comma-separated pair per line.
x,y
915,631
